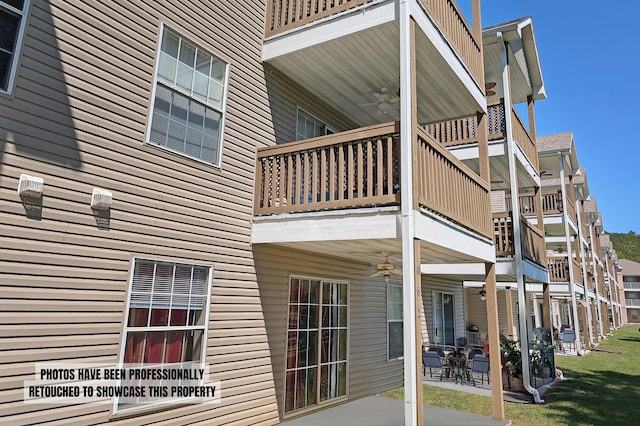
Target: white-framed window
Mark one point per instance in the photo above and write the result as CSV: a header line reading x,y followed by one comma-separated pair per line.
x,y
395,348
12,23
189,99
317,342
166,318
309,126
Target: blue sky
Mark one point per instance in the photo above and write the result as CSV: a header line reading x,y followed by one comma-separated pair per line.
x,y
589,57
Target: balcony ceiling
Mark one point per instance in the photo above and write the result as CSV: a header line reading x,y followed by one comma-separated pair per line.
x,y
345,72
526,74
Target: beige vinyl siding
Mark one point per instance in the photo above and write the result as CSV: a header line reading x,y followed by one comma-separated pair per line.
x,y
78,118
288,97
369,371
476,311
430,284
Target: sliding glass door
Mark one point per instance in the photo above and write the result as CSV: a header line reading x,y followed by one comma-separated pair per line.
x,y
317,337
443,318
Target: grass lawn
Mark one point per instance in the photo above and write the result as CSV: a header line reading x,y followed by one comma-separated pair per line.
x,y
602,388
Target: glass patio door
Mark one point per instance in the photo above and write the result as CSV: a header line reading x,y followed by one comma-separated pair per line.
x,y
443,318
317,337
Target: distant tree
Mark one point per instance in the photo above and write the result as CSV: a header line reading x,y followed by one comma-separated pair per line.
x,y
626,245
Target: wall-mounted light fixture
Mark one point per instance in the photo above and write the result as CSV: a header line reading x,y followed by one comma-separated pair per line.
x,y
101,199
30,186
483,294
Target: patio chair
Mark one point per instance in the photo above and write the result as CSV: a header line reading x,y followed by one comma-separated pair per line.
x,y
479,365
432,361
568,338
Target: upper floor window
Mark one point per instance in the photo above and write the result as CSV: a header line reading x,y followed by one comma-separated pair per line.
x,y
309,126
12,22
190,91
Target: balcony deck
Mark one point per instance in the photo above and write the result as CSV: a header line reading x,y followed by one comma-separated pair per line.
x,y
361,168
286,15
464,131
532,240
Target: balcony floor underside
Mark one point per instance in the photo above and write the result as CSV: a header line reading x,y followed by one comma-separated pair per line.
x,y
365,234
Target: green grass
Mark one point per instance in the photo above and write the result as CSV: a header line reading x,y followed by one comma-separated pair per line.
x,y
601,388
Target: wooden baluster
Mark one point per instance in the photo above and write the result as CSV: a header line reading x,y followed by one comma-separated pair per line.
x,y
341,179
390,165
359,188
323,175
370,177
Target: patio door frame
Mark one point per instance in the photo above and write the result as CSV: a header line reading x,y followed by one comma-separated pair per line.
x,y
331,366
439,298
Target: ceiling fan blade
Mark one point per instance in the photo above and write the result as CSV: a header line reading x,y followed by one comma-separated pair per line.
x,y
490,93
490,85
377,274
396,271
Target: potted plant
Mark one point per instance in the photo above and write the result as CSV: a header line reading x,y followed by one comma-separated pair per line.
x,y
513,362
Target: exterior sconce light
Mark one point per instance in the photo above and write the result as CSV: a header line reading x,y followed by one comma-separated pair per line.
x,y
30,186
483,294
101,199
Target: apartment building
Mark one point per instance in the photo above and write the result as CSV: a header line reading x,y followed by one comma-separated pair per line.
x,y
631,283
211,182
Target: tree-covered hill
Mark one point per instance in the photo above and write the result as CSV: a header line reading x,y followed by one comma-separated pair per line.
x,y
626,245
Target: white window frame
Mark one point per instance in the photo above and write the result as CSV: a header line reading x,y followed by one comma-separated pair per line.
x,y
319,363
15,55
223,105
204,327
394,320
328,130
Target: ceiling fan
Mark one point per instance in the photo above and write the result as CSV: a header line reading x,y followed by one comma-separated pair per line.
x,y
545,173
384,100
488,86
385,269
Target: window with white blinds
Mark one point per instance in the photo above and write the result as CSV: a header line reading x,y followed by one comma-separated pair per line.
x,y
188,107
166,316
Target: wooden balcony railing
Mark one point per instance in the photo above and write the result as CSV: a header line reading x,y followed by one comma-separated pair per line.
x,y
503,235
523,139
577,271
464,130
361,168
348,169
552,202
558,268
447,186
532,240
533,246
284,15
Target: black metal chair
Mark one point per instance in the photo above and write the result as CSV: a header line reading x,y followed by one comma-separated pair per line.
x,y
479,365
432,361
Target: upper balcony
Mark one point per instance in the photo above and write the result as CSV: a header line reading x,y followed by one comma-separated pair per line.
x,y
464,131
360,168
551,204
532,240
346,53
558,267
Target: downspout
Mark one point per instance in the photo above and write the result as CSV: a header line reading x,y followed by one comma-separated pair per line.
x,y
584,274
515,223
572,285
595,277
407,221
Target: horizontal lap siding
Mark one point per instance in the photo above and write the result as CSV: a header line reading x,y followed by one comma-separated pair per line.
x,y
77,118
369,370
430,284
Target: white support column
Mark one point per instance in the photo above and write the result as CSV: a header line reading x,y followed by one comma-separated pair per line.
x,y
413,406
515,223
572,285
583,262
600,330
